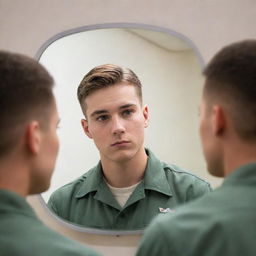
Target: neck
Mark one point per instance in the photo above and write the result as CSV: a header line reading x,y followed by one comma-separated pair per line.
x,y
14,177
238,155
125,173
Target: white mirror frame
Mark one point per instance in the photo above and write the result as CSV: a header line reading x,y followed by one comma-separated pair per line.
x,y
108,26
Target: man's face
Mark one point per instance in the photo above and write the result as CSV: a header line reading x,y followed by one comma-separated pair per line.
x,y
116,122
210,142
46,158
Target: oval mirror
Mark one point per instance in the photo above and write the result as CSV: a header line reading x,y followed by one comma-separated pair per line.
x,y
169,67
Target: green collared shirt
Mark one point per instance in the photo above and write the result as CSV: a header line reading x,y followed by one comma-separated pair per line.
x,y
88,201
221,223
23,234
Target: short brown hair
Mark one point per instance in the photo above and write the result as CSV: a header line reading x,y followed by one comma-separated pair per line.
x,y
231,76
104,76
25,94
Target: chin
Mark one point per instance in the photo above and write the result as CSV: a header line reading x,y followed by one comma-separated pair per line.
x,y
216,171
124,157
39,188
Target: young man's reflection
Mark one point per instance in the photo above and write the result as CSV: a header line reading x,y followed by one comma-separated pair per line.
x,y
28,149
129,186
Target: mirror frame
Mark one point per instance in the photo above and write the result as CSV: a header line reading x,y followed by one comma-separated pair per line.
x,y
96,27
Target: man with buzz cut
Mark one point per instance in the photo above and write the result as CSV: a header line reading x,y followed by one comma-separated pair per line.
x,y
223,222
28,149
130,185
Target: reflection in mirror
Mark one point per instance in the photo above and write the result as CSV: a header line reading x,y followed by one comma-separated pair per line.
x,y
170,73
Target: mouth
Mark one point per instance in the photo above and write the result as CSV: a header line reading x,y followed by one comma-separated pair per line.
x,y
120,143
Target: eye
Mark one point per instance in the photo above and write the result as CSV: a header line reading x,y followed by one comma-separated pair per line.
x,y
127,112
102,118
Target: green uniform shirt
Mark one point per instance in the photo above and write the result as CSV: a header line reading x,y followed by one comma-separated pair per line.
x,y
23,234
221,223
88,201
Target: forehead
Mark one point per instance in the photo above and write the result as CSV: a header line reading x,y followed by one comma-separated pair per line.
x,y
111,97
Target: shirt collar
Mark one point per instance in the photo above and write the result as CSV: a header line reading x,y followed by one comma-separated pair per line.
x,y
154,178
94,180
245,174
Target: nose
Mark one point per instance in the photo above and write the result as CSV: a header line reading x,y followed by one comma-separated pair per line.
x,y
117,126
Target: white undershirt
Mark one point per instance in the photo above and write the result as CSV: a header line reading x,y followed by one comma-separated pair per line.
x,y
122,194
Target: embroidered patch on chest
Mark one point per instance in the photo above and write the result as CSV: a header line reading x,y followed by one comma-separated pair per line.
x,y
165,210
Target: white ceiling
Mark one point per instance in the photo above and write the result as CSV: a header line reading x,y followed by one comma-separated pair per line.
x,y
166,41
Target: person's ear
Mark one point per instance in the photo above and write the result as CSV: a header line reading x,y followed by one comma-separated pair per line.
x,y
85,126
33,137
218,120
146,116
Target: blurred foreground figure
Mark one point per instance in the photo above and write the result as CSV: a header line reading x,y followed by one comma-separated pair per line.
x,y
224,221
28,150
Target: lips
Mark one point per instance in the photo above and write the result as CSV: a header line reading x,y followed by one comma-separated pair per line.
x,y
120,143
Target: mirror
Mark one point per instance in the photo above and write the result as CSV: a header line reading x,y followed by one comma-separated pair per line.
x,y
169,67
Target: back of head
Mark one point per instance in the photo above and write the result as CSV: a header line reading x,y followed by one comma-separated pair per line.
x,y
25,94
104,76
231,80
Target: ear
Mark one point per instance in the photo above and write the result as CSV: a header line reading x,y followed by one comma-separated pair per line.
x,y
33,137
85,126
146,116
218,120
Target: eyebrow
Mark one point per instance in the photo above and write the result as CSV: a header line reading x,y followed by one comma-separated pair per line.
x,y
128,105
103,111
98,112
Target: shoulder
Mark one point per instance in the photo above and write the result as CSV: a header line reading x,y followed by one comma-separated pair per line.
x,y
22,240
181,173
216,224
68,190
175,232
174,173
180,178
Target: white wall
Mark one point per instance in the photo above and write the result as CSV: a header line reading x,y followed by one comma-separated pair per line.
x,y
210,24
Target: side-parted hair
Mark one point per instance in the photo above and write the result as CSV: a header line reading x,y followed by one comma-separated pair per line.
x,y
25,95
231,77
104,76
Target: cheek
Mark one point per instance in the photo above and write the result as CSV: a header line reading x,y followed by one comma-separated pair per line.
x,y
100,136
139,120
96,133
138,128
57,143
203,128
202,133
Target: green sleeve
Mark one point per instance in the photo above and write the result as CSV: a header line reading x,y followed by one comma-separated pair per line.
x,y
197,189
